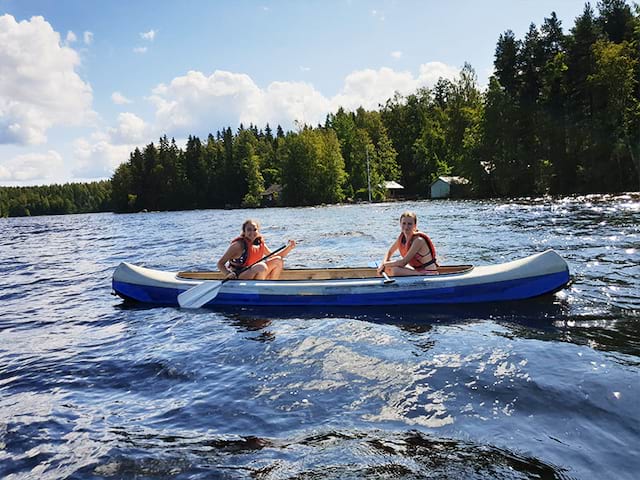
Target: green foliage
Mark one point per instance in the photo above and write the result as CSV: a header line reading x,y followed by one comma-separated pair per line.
x,y
565,117
312,167
55,199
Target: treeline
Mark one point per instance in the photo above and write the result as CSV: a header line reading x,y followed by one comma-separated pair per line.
x,y
326,164
55,199
561,115
562,112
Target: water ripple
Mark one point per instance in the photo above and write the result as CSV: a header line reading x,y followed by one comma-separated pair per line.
x,y
91,387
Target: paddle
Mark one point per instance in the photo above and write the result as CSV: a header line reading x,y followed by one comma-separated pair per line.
x,y
384,274
206,291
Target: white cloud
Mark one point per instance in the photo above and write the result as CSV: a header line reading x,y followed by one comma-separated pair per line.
x,y
131,129
150,35
71,37
369,88
39,87
98,159
100,155
196,104
32,168
432,71
396,54
119,99
88,38
195,101
140,50
288,102
199,104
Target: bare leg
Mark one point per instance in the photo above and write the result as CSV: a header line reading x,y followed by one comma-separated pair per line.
x,y
257,272
275,265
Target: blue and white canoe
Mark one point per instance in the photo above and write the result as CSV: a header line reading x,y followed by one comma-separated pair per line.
x,y
528,277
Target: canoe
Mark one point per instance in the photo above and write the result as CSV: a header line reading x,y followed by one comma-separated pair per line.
x,y
529,277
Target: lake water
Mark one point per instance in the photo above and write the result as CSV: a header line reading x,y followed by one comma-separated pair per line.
x,y
549,388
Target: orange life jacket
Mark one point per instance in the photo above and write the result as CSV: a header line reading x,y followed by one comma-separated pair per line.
x,y
252,252
416,262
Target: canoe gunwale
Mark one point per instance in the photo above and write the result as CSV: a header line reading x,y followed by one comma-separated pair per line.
x,y
336,273
528,277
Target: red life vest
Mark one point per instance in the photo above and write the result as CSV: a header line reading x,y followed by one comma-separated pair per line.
x,y
252,252
416,262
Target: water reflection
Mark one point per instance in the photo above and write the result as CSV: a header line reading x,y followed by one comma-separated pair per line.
x,y
543,310
390,377
329,454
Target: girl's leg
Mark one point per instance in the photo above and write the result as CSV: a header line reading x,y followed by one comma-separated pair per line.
x,y
257,272
275,266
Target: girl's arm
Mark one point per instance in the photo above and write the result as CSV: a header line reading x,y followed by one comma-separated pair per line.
x,y
234,251
385,261
418,243
291,244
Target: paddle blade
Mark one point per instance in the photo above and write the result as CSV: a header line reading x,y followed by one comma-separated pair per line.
x,y
197,296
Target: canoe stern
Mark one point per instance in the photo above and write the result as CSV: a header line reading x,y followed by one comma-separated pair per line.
x,y
132,282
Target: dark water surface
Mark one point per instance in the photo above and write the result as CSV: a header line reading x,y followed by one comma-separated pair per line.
x,y
94,388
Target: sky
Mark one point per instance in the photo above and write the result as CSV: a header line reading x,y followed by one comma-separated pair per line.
x,y
84,82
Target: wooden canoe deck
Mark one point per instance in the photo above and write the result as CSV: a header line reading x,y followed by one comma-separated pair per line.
x,y
322,273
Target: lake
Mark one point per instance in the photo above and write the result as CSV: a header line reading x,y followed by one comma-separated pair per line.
x,y
91,387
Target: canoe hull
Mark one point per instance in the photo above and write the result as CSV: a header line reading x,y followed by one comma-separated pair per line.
x,y
530,277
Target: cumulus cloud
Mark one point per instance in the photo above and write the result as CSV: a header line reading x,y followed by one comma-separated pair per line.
x,y
39,86
368,88
432,71
119,99
99,155
88,38
32,167
396,54
197,104
284,103
196,101
150,35
130,129
71,37
98,158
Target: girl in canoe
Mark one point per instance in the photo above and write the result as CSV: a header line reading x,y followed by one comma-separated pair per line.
x,y
248,249
416,248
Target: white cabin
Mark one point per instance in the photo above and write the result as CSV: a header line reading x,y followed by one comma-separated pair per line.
x,y
445,187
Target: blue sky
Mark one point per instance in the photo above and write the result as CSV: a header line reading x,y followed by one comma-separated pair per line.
x,y
83,82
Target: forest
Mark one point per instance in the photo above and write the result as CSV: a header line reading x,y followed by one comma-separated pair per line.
x,y
560,115
55,199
